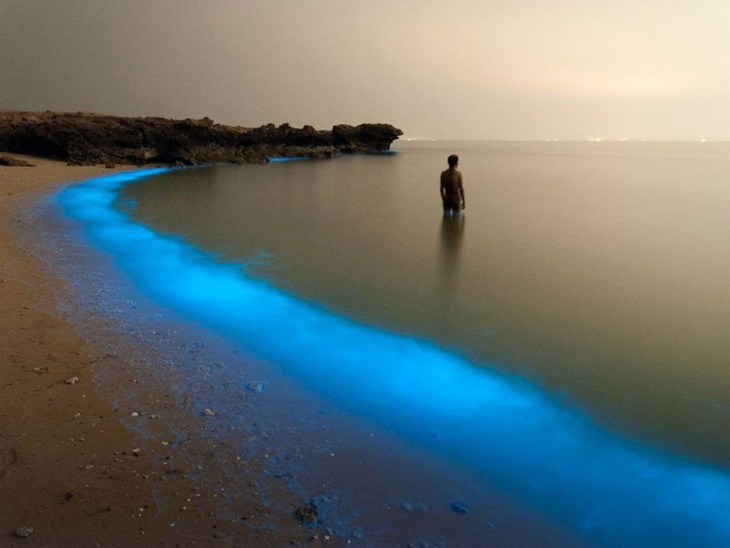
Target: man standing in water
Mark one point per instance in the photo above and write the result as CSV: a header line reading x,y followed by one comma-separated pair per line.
x,y
452,188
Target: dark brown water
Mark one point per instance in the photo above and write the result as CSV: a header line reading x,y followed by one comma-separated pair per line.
x,y
597,271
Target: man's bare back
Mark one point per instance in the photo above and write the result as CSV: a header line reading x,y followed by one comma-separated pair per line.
x,y
452,187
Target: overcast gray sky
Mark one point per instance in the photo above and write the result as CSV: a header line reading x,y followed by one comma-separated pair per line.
x,y
463,69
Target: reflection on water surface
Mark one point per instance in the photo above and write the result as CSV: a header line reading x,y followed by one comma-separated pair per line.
x,y
596,271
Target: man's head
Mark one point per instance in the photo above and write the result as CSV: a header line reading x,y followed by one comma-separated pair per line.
x,y
453,160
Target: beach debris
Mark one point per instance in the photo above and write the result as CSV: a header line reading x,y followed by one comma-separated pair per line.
x,y
23,532
209,412
256,386
71,380
134,414
307,513
460,507
136,452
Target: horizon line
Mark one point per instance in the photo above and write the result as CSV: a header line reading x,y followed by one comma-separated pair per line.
x,y
570,140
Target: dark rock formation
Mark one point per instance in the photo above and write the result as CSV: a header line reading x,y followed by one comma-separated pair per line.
x,y
83,139
14,162
307,513
372,136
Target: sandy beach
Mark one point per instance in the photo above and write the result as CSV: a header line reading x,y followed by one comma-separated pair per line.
x,y
123,424
71,473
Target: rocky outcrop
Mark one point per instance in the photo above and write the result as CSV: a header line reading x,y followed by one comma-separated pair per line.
x,y
14,162
84,138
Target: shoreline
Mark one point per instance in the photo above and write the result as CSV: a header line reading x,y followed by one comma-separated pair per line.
x,y
131,423
73,467
55,431
195,441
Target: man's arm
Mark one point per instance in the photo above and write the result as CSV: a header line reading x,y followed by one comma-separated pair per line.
x,y
461,192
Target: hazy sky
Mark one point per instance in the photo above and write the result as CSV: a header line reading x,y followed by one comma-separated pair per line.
x,y
490,69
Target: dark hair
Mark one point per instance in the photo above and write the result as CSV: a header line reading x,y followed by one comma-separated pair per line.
x,y
453,160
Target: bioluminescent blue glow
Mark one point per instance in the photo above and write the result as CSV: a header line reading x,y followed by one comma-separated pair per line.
x,y
383,152
610,489
280,159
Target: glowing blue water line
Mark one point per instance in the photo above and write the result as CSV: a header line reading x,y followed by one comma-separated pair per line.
x,y
611,490
280,159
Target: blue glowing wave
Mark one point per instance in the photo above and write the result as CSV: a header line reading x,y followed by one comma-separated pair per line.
x,y
611,490
280,159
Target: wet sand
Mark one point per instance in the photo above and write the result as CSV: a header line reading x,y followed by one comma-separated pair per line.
x,y
71,472
106,438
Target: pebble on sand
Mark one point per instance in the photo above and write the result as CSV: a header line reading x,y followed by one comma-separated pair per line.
x,y
460,507
23,532
307,513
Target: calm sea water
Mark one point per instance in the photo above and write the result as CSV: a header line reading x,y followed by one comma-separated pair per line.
x,y
564,341
597,271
